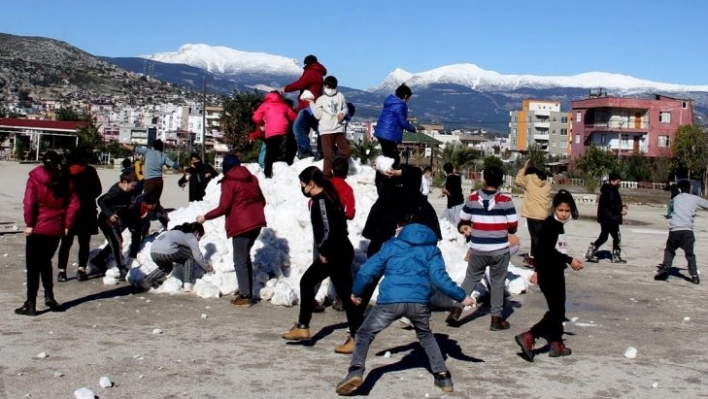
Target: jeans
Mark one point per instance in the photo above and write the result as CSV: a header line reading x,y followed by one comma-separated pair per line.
x,y
39,252
383,315
534,226
301,127
498,262
243,267
684,239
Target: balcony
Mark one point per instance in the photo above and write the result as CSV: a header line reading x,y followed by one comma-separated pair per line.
x,y
542,112
542,125
541,137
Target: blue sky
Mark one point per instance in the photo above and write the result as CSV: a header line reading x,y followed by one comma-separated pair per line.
x,y
361,41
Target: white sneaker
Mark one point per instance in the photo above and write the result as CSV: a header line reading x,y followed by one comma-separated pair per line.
x,y
188,287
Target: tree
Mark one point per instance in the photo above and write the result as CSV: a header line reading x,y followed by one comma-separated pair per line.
x,y
458,155
690,150
66,114
89,136
595,164
365,150
637,168
493,161
537,156
236,120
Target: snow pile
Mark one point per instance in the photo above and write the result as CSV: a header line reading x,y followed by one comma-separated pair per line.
x,y
283,251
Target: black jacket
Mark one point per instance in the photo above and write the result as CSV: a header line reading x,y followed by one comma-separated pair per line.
x,y
198,180
329,225
115,202
609,209
88,187
547,258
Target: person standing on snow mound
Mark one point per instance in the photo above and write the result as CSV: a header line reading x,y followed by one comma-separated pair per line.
x,y
50,206
311,80
197,176
179,245
453,192
412,264
242,203
681,232
276,115
551,261
610,210
392,121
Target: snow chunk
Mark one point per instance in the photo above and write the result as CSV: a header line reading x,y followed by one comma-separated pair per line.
x,y
630,352
105,382
84,393
42,355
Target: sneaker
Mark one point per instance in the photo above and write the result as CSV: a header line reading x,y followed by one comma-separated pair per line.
x,y
53,305
453,317
304,155
662,274
61,276
352,381
617,256
338,305
299,332
81,275
499,324
347,347
318,157
187,287
559,349
27,309
526,342
242,301
695,279
443,381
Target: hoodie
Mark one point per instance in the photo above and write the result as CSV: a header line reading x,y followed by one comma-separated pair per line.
x,y
411,265
537,196
43,212
393,120
311,79
276,114
241,201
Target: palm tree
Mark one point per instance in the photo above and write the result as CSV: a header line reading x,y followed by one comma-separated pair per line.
x,y
365,150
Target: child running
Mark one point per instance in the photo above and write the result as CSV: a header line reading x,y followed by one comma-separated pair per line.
x,y
681,232
550,262
412,264
179,245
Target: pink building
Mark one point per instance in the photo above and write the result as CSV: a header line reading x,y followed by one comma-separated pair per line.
x,y
628,125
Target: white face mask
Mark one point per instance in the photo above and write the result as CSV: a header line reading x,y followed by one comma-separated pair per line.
x,y
330,92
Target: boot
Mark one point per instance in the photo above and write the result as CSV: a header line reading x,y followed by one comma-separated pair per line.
x,y
453,317
52,303
347,347
352,381
695,279
61,276
526,341
443,381
558,348
299,332
591,254
499,324
27,309
617,256
663,273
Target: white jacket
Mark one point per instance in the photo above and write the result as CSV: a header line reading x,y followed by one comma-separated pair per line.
x,y
326,108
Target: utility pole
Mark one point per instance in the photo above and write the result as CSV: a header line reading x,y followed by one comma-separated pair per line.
x,y
203,116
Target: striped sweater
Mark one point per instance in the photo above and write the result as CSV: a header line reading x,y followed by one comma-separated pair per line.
x,y
493,217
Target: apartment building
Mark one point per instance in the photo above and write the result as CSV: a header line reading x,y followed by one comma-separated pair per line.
x,y
540,123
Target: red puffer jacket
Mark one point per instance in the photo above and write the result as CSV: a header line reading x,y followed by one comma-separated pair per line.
x,y
241,201
43,212
311,79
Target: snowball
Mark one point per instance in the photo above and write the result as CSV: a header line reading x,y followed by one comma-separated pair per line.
x,y
686,319
630,352
42,355
205,289
384,164
655,384
84,393
157,331
105,382
204,315
58,374
307,95
387,354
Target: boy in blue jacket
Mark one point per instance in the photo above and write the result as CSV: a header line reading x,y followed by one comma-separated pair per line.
x,y
392,121
412,264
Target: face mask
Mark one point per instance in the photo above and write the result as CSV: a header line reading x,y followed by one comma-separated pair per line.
x,y
330,92
562,221
306,194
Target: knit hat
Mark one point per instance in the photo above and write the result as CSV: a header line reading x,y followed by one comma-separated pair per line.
x,y
230,161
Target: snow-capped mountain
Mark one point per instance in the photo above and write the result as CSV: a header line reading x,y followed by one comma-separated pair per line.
x,y
476,78
228,61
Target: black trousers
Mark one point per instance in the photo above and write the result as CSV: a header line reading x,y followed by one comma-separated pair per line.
x,y
273,153
390,149
606,230
39,252
114,235
66,243
338,269
552,284
684,239
534,226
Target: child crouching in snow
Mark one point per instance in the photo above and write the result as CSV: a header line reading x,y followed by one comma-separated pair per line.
x,y
179,245
550,261
412,264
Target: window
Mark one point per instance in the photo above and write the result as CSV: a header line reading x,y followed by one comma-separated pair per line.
x,y
665,117
664,141
564,119
578,116
514,132
553,131
577,139
514,142
528,131
562,144
554,144
564,132
684,105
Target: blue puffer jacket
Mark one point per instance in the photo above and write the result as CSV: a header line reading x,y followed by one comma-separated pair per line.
x,y
393,120
411,264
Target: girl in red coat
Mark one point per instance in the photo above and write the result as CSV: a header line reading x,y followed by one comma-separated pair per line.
x,y
50,207
243,204
277,116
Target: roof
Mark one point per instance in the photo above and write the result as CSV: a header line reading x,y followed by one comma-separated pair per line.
x,y
419,138
68,126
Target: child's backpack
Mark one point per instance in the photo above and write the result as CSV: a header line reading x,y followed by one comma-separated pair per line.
x,y
351,109
139,167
